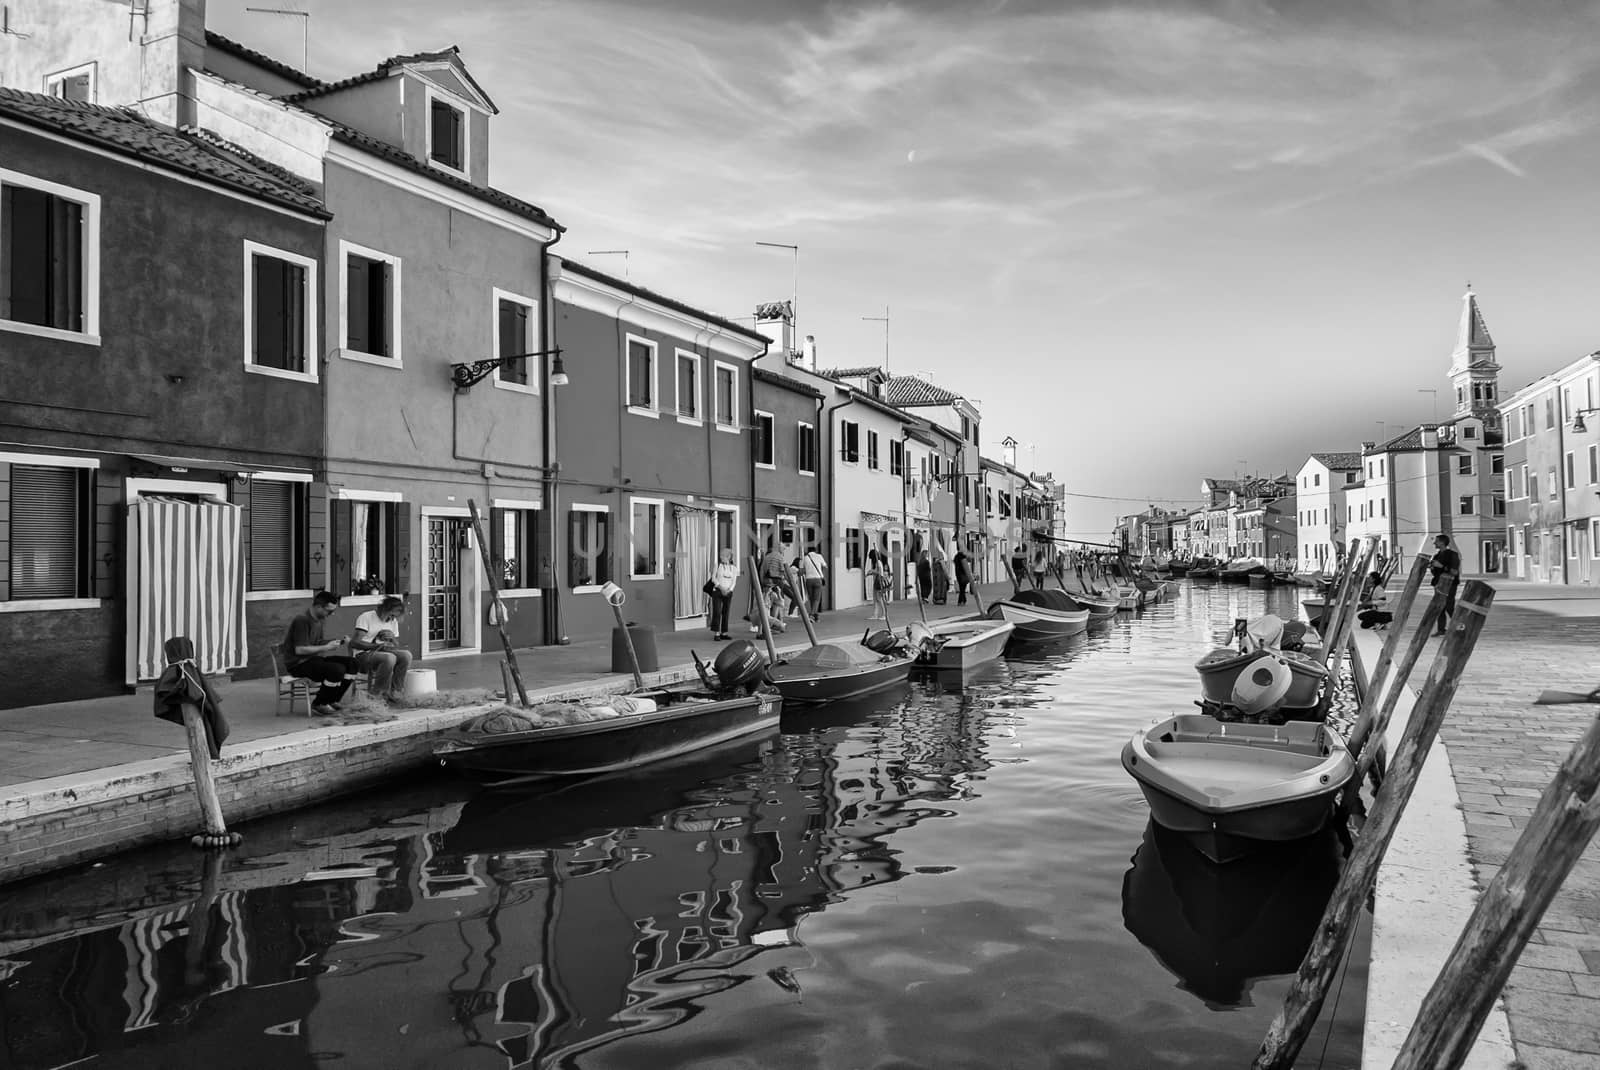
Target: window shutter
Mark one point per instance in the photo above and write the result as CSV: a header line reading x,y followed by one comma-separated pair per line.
x,y
400,559
294,317
66,264
456,139
268,311
379,282
272,535
441,132
45,532
343,548
358,313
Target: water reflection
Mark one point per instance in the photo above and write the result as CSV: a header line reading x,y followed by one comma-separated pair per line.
x,y
568,919
1219,928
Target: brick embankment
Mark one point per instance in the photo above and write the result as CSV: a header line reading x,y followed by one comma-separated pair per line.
x,y
1498,753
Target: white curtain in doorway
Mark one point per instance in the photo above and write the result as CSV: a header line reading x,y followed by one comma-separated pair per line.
x,y
693,548
190,582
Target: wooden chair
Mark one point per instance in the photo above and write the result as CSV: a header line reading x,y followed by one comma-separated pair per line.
x,y
290,688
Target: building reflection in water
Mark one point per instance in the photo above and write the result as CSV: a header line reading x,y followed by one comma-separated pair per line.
x,y
525,929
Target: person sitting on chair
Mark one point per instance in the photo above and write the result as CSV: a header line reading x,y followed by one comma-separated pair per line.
x,y
308,656
378,650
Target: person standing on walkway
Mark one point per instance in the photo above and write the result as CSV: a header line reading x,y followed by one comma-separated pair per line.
x,y
310,657
1040,565
877,585
378,650
924,577
1019,568
963,576
724,578
814,570
941,579
1446,569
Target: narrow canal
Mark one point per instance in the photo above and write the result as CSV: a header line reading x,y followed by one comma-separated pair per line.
x,y
935,877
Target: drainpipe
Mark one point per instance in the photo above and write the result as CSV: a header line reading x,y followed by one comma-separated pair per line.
x,y
555,632
825,414
1561,477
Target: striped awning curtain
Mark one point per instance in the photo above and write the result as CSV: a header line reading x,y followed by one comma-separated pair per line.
x,y
190,582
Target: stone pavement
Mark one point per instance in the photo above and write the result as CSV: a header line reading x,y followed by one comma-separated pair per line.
x,y
1504,751
41,742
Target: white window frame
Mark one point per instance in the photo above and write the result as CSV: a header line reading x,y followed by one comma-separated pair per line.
x,y
90,68
313,361
661,527
90,335
1569,471
429,95
1594,536
843,439
358,494
535,365
49,460
718,508
654,411
1466,505
772,438
345,249
870,453
698,419
732,424
1594,464
587,507
1471,467
799,433
526,505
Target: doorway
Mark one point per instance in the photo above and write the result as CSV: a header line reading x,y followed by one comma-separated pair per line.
x,y
444,625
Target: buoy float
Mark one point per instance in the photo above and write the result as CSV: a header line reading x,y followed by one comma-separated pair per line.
x,y
1262,685
212,840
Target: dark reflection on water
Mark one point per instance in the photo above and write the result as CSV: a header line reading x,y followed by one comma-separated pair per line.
x,y
924,878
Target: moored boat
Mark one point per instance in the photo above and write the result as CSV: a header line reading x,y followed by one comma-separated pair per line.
x,y
831,671
1231,788
961,644
1099,607
1241,570
1316,611
612,733
1179,569
1040,615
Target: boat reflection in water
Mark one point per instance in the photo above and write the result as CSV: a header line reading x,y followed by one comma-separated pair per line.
x,y
1220,927
512,931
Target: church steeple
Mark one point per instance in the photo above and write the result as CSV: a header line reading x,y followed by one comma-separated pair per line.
x,y
1473,370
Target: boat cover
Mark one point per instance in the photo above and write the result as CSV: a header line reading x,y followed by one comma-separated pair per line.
x,y
508,719
831,656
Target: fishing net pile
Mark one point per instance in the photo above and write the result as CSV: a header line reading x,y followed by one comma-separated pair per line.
x,y
505,719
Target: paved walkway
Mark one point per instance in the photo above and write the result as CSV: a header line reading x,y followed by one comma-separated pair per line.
x,y
41,742
1504,751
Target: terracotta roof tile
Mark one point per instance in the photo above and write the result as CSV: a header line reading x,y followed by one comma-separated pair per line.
x,y
389,66
764,376
262,60
1339,462
131,134
850,373
910,391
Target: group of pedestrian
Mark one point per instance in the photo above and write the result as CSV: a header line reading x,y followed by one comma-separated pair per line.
x,y
374,647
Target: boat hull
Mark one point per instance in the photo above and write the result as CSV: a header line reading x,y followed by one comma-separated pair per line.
x,y
808,686
968,644
1037,624
1232,788
611,745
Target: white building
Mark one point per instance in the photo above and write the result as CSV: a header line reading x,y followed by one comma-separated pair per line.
x,y
1323,482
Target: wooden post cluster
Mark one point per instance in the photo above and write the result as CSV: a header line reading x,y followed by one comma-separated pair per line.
x,y
1289,1030
1509,910
499,606
1367,756
761,611
1339,623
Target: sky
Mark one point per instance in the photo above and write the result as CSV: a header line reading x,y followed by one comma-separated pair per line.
x,y
1152,241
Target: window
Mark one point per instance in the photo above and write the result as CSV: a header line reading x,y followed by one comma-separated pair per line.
x,y
763,439
369,304
447,134
645,534
807,461
1469,431
1464,505
51,532
1349,478
514,545
1531,482
1570,473
1511,490
872,450
1316,479
1464,464
1499,505
1550,411
49,259
849,441
727,531
852,547
1594,464
278,535
516,331
726,402
641,376
280,313
1381,463
1497,463
588,546
1594,536
688,380
897,457
372,548
1555,488
75,84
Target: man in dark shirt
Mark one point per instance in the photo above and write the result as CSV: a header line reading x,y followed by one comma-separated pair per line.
x,y
1446,569
308,656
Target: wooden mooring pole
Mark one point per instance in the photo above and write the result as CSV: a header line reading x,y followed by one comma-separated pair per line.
x,y
761,611
1339,624
499,606
1509,910
1289,1030
1371,744
216,832
1380,669
800,600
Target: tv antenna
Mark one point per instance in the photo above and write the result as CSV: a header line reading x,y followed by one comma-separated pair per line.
x,y
305,26
5,25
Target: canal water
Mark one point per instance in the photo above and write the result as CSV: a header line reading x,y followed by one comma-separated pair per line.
x,y
940,876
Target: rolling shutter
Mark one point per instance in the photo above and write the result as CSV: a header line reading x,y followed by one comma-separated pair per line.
x,y
272,536
45,526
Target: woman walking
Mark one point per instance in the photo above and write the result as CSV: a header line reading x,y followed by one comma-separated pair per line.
x,y
724,578
877,585
963,576
924,577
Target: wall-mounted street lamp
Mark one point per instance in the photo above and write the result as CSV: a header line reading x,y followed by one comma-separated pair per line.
x,y
474,372
1578,426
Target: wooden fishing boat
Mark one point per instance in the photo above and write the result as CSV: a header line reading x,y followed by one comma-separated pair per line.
x,y
828,672
671,721
1203,572
1241,570
1040,615
1261,579
1100,608
1179,569
1316,611
1231,788
961,644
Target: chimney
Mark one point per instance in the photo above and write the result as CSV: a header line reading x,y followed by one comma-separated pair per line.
x,y
1008,451
808,353
1430,438
1367,447
775,320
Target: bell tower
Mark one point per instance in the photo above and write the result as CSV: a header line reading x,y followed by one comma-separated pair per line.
x,y
1474,373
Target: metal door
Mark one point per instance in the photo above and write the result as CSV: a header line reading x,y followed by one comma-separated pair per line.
x,y
444,582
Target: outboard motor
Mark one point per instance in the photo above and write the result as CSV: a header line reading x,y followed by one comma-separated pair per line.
x,y
882,641
740,664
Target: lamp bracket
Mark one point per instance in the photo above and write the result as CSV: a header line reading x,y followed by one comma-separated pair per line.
x,y
470,373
